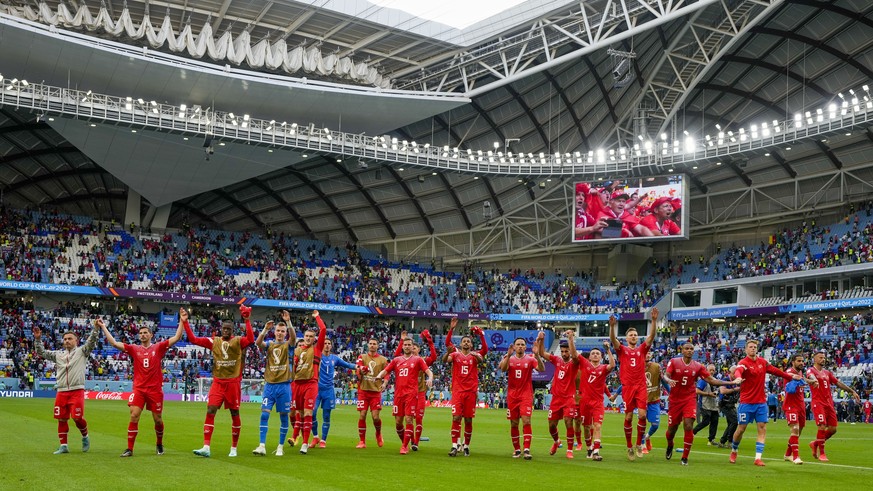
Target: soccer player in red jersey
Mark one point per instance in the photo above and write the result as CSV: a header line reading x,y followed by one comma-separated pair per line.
x,y
422,388
563,404
406,369
304,388
823,411
753,371
632,372
465,384
228,354
682,375
593,387
794,408
519,369
868,408
370,391
148,380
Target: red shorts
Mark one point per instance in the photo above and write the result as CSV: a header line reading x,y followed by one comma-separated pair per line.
x,y
560,408
405,404
225,391
304,395
635,398
516,408
681,410
464,404
824,414
369,399
797,417
70,403
419,407
153,400
591,412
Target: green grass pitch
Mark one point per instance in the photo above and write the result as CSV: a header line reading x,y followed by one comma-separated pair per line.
x,y
29,437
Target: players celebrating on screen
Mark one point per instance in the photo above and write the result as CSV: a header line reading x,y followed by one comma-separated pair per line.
x,y
519,391
753,408
304,388
326,393
465,383
368,366
70,364
277,380
422,387
563,403
585,225
823,411
227,370
148,381
592,387
406,369
794,408
659,222
632,372
621,223
682,375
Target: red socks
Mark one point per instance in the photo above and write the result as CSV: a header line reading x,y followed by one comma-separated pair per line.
x,y
298,425
362,430
468,431
377,424
307,428
418,426
235,425
689,440
456,432
513,432
398,427
669,435
553,432
570,433
641,431
596,448
528,433
792,447
159,434
63,429
407,434
132,430
208,428
628,432
82,425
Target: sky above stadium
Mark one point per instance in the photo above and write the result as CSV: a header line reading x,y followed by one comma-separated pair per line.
x,y
455,13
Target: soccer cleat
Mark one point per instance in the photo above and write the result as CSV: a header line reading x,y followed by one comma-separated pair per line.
x,y
759,463
596,457
527,455
669,453
260,451
711,443
86,443
404,450
159,449
788,458
280,451
648,445
589,453
578,446
304,448
453,452
379,440
127,453
203,452
516,454
361,445
414,447
733,457
797,461
570,454
62,449
814,448
822,457
315,441
232,452
292,442
684,461
466,450
555,446
645,450
631,455
638,451
322,444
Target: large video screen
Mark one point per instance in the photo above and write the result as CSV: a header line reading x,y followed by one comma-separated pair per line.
x,y
638,210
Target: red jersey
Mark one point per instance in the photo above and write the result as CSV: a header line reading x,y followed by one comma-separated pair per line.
x,y
793,401
668,228
406,371
593,383
564,380
465,371
147,366
867,406
520,377
685,375
754,372
821,394
632,366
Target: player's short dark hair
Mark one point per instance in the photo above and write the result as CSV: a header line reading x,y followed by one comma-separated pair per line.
x,y
794,357
516,340
373,339
564,344
467,337
71,332
227,324
146,328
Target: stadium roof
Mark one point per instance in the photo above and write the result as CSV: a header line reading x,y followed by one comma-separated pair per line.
x,y
765,61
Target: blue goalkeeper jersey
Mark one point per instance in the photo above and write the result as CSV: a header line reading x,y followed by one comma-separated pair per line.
x,y
328,370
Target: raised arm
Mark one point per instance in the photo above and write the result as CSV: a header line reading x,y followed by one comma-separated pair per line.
x,y
249,338
115,344
539,348
613,328
179,330
399,350
263,334
571,340
479,332
92,338
433,353
292,333
40,349
450,345
611,365
503,366
322,332
650,336
196,340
